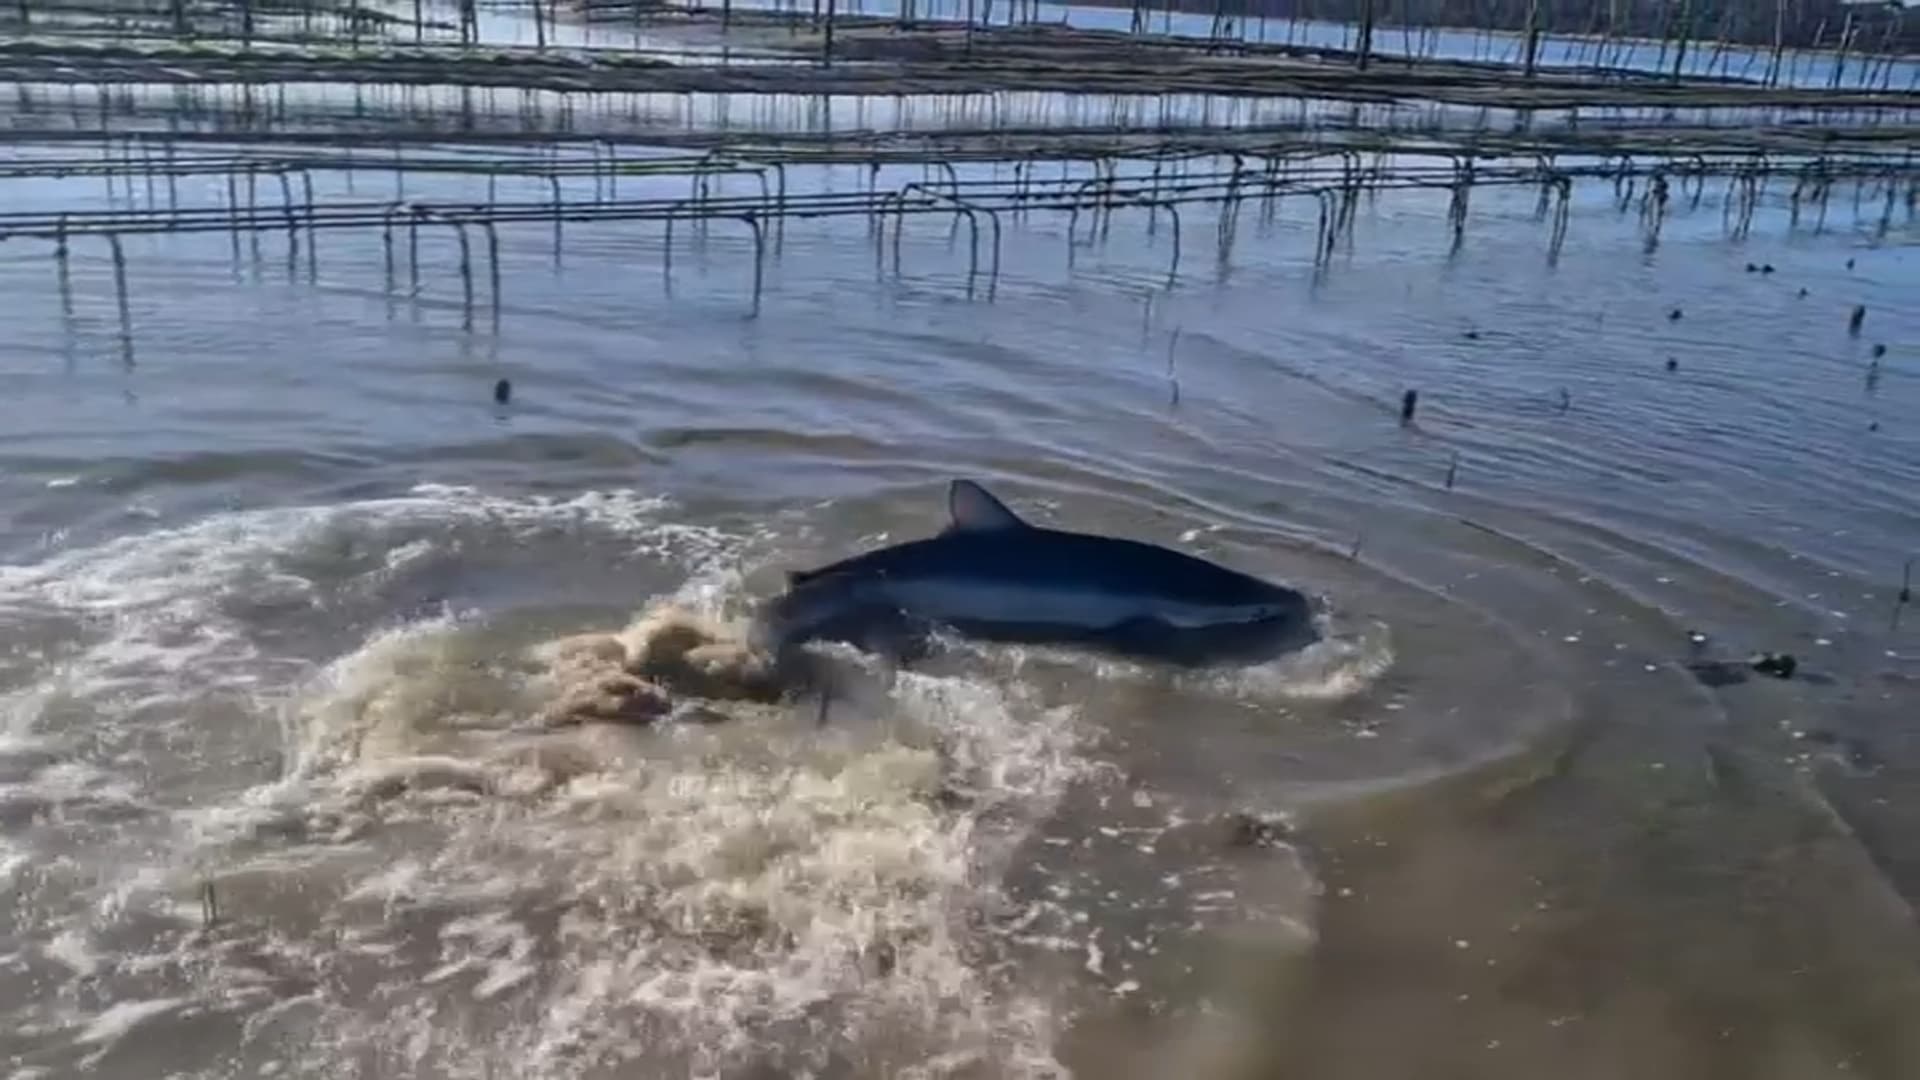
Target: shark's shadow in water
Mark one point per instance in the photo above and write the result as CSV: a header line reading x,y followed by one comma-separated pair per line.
x,y
992,576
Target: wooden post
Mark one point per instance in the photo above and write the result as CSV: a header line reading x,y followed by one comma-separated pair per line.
x,y
1682,30
1840,54
1779,42
1533,35
1721,37
1887,54
1365,46
828,49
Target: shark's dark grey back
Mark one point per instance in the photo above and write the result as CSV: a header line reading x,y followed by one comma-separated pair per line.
x,y
987,546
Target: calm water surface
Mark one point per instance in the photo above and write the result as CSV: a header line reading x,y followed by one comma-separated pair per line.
x,y
264,578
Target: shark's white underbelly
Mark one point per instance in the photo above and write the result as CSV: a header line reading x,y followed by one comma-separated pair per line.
x,y
1092,609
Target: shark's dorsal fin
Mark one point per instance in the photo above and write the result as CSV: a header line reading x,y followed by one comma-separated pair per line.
x,y
973,509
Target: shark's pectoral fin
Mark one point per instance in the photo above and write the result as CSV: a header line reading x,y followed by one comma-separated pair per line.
x,y
905,638
880,630
974,510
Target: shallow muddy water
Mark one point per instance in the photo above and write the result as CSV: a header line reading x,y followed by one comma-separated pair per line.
x,y
269,803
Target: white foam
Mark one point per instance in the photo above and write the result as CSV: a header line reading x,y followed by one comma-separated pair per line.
x,y
12,861
1338,666
75,781
114,1024
156,598
762,892
493,943
138,637
68,947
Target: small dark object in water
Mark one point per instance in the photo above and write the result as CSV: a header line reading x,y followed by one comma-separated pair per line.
x,y
1566,401
1879,350
1674,315
1408,402
1672,364
1717,673
949,797
1253,830
1766,268
1753,268
1471,335
1901,601
1849,264
1874,426
502,392
884,959
1859,316
1453,467
1803,290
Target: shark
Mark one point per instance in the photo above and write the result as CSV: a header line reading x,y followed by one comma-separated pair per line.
x,y
993,576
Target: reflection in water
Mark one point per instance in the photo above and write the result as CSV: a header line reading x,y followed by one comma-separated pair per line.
x,y
273,801
457,110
